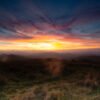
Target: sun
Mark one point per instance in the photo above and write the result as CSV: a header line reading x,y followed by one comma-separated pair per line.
x,y
45,46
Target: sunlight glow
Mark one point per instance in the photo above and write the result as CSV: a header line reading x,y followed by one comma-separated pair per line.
x,y
44,43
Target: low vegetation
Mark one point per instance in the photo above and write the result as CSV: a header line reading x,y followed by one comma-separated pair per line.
x,y
25,78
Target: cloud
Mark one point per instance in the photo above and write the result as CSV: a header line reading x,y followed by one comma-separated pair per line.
x,y
27,18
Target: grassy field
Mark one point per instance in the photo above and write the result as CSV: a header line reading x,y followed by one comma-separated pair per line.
x,y
23,78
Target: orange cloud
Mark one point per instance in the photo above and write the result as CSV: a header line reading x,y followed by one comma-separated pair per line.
x,y
48,43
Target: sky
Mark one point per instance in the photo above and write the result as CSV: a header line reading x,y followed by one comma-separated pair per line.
x,y
49,25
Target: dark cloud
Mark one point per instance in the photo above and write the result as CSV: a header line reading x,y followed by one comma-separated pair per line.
x,y
76,18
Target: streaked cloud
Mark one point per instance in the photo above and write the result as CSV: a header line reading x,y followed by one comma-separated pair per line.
x,y
72,20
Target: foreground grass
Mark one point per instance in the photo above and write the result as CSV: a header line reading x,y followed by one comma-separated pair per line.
x,y
57,90
45,87
30,80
